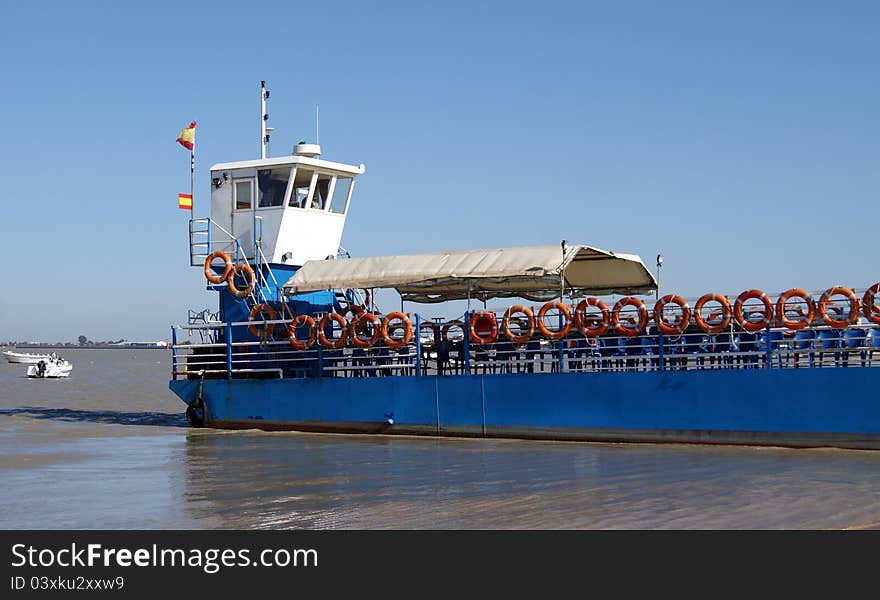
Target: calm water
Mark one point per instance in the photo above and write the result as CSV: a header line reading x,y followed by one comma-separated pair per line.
x,y
109,448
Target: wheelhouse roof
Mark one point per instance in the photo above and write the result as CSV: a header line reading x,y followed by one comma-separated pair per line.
x,y
531,272
292,159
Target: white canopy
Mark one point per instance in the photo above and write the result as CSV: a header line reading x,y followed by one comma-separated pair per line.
x,y
530,272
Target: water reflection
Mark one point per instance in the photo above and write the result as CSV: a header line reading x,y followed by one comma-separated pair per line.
x,y
270,480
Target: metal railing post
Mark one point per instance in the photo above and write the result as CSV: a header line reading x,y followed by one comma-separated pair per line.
x,y
173,352
320,360
660,344
229,349
466,343
560,354
418,345
768,349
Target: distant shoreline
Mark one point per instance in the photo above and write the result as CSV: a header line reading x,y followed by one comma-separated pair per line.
x,y
133,346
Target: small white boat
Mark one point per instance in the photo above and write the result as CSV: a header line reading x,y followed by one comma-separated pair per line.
x,y
52,367
24,357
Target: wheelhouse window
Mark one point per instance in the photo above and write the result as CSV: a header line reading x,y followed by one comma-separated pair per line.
x,y
244,194
340,194
302,183
322,192
272,186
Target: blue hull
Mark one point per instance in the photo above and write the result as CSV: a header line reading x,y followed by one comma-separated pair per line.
x,y
788,407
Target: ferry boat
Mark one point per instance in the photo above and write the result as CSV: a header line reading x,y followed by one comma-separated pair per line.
x,y
586,349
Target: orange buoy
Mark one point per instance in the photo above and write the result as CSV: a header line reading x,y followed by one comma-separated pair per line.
x,y
643,316
580,317
358,322
248,274
839,290
291,331
484,327
725,313
808,316
266,330
663,323
505,324
343,335
753,326
562,331
869,309
407,330
227,269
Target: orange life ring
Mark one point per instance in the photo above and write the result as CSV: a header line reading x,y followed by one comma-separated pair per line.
x,y
444,333
808,316
643,316
753,326
663,324
725,311
869,309
505,324
209,275
266,330
356,327
562,331
484,319
580,317
291,331
407,330
343,335
839,290
249,274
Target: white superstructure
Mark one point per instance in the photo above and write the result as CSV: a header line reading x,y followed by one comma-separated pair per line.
x,y
295,205
301,201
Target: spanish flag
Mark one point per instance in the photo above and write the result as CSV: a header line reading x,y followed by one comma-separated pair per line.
x,y
187,137
185,201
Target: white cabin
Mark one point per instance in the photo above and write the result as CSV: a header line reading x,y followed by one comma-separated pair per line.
x,y
296,205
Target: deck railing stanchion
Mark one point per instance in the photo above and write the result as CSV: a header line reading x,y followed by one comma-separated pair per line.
x,y
229,349
173,352
418,345
466,343
560,352
660,343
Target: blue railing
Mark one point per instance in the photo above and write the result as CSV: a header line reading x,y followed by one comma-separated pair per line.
x,y
443,347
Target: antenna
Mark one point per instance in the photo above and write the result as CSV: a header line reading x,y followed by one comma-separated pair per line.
x,y
264,131
317,125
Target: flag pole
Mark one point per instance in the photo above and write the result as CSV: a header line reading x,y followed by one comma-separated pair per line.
x,y
192,175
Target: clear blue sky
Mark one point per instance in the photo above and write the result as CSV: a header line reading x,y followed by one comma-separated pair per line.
x,y
738,139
